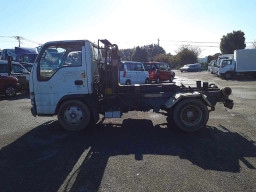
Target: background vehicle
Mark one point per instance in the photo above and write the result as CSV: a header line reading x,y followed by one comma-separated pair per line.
x,y
159,71
244,63
133,73
8,53
8,85
220,58
26,55
191,67
28,66
83,87
17,71
212,66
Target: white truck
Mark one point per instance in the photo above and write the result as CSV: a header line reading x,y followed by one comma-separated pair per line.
x,y
69,79
243,63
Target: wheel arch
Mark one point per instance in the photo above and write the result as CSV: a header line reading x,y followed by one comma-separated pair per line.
x,y
89,100
178,97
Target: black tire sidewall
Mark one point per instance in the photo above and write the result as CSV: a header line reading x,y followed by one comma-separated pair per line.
x,y
228,75
85,110
171,79
128,82
178,108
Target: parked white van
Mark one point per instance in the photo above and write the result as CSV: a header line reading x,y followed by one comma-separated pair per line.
x,y
133,73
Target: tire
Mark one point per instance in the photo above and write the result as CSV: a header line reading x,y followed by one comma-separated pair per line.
x,y
74,115
227,75
157,80
147,81
10,91
190,115
171,79
127,82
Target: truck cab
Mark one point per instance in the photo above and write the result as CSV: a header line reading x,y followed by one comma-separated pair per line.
x,y
62,69
226,67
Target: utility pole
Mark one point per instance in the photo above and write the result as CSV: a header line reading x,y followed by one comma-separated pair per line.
x,y
158,41
18,38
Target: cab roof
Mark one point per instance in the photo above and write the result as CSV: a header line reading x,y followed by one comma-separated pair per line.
x,y
69,41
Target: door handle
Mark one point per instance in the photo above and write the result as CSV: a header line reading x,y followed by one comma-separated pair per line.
x,y
79,82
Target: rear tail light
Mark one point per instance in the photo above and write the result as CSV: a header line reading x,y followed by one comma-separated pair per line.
x,y
124,75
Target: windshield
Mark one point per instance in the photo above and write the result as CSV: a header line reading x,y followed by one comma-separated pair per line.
x,y
29,58
28,67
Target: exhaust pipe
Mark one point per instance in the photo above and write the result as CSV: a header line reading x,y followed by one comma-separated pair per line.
x,y
226,91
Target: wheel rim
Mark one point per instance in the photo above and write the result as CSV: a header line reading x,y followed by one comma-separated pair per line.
x,y
74,115
191,115
10,91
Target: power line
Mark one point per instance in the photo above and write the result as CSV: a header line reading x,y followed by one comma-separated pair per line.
x,y
19,38
177,41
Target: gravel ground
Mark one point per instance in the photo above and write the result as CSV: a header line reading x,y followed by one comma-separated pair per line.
x,y
135,153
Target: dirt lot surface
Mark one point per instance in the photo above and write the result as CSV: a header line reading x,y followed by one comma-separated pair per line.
x,y
135,153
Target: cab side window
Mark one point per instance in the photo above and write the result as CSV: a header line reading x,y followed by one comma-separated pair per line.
x,y
229,62
54,58
139,67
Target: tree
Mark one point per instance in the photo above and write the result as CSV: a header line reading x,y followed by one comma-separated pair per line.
x,y
187,54
254,44
154,50
126,54
163,58
213,57
232,41
140,54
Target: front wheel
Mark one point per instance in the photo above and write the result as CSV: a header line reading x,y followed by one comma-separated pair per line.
x,y
171,79
74,115
190,115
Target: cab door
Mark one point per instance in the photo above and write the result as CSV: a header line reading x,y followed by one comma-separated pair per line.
x,y
60,71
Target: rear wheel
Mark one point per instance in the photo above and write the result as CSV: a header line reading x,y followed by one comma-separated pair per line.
x,y
127,82
10,91
190,115
227,75
157,80
74,115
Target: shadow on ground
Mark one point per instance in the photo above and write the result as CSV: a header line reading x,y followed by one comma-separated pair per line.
x,y
243,78
44,158
23,95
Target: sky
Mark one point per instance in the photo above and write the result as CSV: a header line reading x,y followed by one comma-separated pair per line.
x,y
127,23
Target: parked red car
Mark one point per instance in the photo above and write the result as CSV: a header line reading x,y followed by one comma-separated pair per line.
x,y
159,71
8,85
